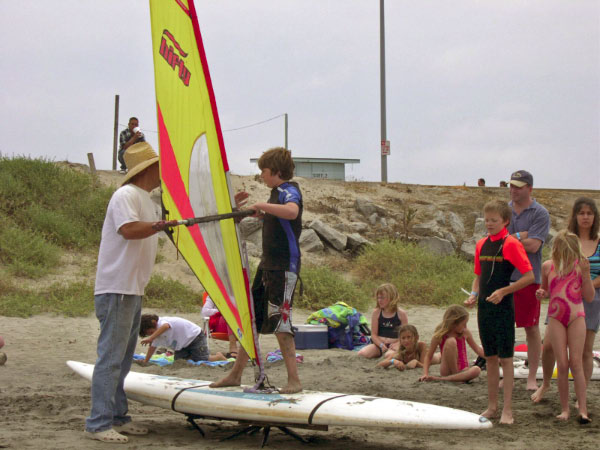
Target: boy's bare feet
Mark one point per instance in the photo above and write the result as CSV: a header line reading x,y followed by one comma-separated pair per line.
x,y
563,415
532,385
228,380
507,418
291,388
538,395
489,413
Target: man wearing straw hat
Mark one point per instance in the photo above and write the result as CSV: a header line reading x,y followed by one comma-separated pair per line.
x,y
125,261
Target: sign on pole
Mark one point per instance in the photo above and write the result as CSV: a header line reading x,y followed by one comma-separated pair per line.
x,y
385,148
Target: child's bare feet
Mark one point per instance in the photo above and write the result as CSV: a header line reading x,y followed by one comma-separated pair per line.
x,y
291,388
584,420
507,418
228,380
563,415
538,395
489,413
532,385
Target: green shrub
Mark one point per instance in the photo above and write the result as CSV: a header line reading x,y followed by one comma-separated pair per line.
x,y
72,300
56,226
26,253
323,287
169,294
63,205
420,276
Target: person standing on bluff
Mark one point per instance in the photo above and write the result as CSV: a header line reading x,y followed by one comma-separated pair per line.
x,y
129,136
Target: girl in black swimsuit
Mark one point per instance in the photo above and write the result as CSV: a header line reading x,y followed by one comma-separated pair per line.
x,y
386,319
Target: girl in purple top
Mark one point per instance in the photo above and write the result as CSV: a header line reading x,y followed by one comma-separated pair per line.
x,y
452,335
566,280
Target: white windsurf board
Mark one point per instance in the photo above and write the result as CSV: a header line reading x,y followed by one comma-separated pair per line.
x,y
190,396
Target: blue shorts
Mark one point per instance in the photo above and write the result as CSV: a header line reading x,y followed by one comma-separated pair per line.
x,y
592,313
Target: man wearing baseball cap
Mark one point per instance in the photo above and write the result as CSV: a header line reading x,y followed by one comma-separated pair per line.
x,y
125,261
530,224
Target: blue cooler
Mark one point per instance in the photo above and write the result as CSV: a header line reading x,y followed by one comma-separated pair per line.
x,y
311,336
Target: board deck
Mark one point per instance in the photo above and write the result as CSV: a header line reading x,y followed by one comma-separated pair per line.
x,y
522,371
190,396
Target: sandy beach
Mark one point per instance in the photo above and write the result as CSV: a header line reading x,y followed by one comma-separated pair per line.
x,y
44,404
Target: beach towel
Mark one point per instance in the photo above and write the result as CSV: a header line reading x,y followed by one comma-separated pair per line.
x,y
347,327
166,359
277,356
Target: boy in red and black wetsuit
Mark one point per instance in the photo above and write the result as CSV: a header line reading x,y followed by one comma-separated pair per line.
x,y
496,256
276,277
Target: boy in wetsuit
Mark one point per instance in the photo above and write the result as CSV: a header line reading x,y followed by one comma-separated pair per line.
x,y
277,273
496,256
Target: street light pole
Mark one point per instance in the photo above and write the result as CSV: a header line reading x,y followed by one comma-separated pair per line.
x,y
382,78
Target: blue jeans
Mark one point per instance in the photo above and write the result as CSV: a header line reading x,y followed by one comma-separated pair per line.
x,y
121,159
196,351
119,317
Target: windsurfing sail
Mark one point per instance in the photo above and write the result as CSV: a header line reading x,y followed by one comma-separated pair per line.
x,y
193,165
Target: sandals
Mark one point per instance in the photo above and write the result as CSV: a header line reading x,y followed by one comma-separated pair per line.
x,y
131,428
109,435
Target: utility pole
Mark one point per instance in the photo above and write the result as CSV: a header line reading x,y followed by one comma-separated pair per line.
x,y
286,131
115,135
384,144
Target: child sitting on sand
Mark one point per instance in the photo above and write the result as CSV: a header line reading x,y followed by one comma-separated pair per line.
x,y
452,335
2,355
411,353
385,322
184,337
566,280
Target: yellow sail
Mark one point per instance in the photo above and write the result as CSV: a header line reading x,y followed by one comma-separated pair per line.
x,y
193,164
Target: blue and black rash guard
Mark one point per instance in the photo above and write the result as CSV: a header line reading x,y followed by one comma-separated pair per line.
x,y
280,247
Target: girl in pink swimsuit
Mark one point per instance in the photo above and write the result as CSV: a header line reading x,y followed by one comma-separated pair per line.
x,y
452,335
566,280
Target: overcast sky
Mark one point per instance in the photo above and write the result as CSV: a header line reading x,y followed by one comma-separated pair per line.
x,y
474,88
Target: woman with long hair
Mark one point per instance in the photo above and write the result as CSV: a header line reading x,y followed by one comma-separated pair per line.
x,y
585,223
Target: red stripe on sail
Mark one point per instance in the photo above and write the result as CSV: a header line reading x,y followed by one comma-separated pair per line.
x,y
171,176
211,94
187,11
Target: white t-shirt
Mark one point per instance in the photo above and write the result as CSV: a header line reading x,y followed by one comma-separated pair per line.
x,y
180,335
125,265
209,309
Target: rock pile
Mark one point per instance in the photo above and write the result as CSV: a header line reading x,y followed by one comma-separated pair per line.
x,y
442,232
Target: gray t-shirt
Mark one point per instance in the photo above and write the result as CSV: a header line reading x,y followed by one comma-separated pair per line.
x,y
536,221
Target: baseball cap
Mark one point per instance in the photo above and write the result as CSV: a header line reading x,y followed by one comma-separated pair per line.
x,y
520,178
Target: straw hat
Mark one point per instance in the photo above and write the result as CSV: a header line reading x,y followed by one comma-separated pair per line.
x,y
138,158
